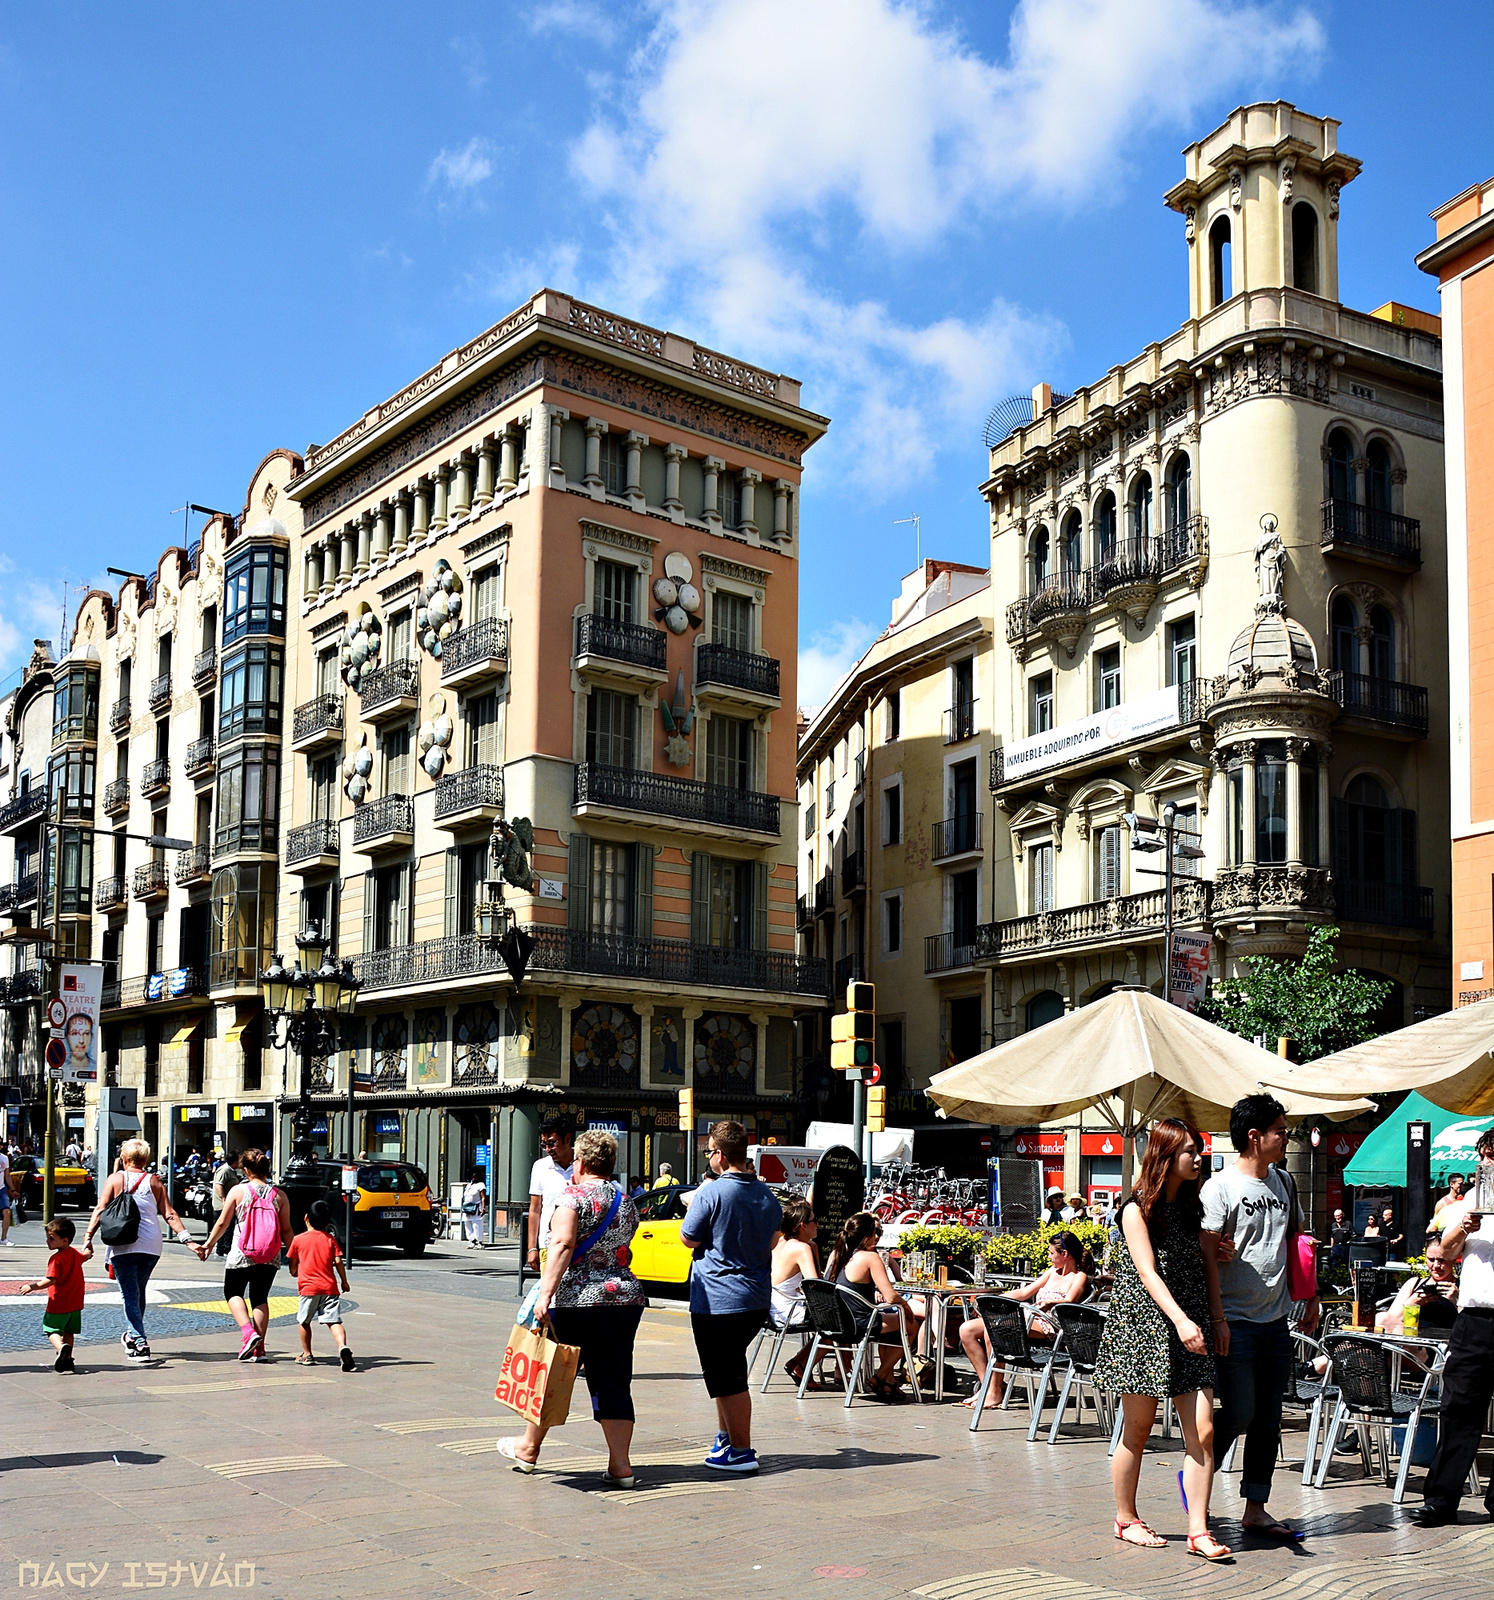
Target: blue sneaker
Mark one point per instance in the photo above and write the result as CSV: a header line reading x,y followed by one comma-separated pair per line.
x,y
720,1449
734,1461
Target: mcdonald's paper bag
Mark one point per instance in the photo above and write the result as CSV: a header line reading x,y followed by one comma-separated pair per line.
x,y
537,1377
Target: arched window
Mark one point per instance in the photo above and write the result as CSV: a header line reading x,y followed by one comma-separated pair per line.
x,y
1382,644
1345,635
1304,248
1367,791
1044,1007
1072,551
1104,528
1341,484
1220,274
1377,476
1042,560
1140,508
1179,502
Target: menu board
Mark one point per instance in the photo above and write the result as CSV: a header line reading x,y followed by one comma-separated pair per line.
x,y
839,1191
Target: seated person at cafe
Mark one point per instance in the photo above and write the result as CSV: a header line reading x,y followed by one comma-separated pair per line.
x,y
1435,1294
794,1260
1054,1210
856,1265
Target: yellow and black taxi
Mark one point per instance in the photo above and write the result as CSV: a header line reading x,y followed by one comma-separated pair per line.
x,y
391,1203
73,1184
659,1259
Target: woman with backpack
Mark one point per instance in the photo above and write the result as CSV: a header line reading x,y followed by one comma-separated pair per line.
x,y
132,1202
260,1216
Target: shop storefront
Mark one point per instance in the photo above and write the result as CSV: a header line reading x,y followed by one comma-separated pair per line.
x,y
251,1126
193,1130
1049,1148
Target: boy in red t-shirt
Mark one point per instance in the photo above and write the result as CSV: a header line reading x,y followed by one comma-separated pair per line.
x,y
64,1285
314,1257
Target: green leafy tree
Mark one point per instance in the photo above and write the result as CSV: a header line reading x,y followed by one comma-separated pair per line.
x,y
1303,1000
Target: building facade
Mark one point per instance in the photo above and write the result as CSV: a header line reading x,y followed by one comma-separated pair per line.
x,y
1460,260
554,580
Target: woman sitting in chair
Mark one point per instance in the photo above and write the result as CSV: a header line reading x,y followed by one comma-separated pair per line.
x,y
854,1264
794,1260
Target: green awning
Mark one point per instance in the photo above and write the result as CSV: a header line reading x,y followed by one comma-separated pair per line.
x,y
1381,1159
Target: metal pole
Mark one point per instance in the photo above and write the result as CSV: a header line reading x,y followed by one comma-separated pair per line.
x,y
49,1170
858,1115
352,1150
1169,822
492,1177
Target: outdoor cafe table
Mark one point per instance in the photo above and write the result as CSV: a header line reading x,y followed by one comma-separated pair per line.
x,y
939,1297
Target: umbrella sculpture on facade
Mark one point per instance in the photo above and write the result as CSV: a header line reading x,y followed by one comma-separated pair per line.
x,y
1131,1047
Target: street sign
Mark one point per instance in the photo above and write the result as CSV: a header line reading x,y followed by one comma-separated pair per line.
x,y
482,1155
56,1013
56,1053
349,1179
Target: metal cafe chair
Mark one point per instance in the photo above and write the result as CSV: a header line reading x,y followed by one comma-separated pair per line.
x,y
830,1316
1362,1369
1012,1350
1079,1330
777,1328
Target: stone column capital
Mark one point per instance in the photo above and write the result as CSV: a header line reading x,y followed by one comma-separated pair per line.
x,y
676,452
714,464
782,486
596,427
750,475
638,439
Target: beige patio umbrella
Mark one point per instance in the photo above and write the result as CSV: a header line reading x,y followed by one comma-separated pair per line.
x,y
1155,1058
1447,1058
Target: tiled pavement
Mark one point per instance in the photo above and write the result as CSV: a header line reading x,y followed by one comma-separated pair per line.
x,y
385,1482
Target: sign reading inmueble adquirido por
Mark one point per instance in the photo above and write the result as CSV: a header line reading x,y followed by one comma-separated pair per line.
x,y
1135,719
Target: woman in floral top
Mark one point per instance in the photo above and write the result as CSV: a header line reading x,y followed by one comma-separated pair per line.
x,y
592,1300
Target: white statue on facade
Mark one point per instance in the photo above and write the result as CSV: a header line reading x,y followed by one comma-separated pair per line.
x,y
1270,567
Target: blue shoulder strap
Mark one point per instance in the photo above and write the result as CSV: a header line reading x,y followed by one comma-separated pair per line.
x,y
601,1228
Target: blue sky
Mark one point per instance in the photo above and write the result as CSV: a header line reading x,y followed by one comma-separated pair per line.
x,y
236,228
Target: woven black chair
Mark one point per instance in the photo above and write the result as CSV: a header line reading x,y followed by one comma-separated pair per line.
x,y
777,1328
1079,1330
1361,1369
831,1313
1014,1352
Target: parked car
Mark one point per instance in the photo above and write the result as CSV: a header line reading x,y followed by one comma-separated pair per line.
x,y
659,1259
73,1183
391,1205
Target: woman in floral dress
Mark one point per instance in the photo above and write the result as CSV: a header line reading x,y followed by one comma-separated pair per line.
x,y
1156,1344
592,1299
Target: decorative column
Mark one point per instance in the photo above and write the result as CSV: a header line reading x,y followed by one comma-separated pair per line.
x,y
360,561
673,455
401,523
345,558
749,480
311,573
440,515
1248,749
485,454
554,417
1324,810
461,487
1295,749
381,531
714,467
782,488
634,489
329,565
508,471
421,517
592,478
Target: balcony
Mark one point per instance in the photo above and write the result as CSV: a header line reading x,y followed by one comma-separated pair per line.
x,y
703,806
23,812
26,889
803,916
318,722
959,722
949,952
117,798
824,894
387,824
23,987
194,865
1390,905
1098,922
110,894
858,769
472,795
204,668
156,988
608,955
389,692
119,715
630,648
1369,534
198,761
1398,706
155,778
159,698
744,672
152,881
1273,894
849,969
853,873
312,846
957,836
476,654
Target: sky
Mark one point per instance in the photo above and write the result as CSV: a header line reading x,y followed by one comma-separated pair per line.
x,y
233,229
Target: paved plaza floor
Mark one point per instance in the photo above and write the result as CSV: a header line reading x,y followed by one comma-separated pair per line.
x,y
201,1473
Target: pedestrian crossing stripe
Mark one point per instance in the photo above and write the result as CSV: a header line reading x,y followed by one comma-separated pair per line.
x,y
256,1469
434,1424
281,1305
226,1385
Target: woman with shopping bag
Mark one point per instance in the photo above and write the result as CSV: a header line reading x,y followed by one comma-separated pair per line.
x,y
593,1302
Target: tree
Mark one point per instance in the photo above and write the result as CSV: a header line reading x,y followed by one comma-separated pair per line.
x,y
1303,1000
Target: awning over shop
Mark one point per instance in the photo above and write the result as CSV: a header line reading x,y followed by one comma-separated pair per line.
x,y
1382,1156
186,1030
242,1021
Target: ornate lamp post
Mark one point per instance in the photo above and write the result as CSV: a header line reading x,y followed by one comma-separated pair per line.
x,y
303,1004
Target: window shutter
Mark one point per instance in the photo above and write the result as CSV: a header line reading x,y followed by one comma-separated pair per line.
x,y
760,872
643,890
1400,847
1109,863
1343,840
700,898
369,904
453,892
1408,848
579,915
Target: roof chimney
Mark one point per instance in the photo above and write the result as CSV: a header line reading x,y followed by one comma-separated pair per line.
x,y
1042,399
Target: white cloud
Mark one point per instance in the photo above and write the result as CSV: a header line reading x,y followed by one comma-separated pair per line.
x,y
583,17
830,654
461,171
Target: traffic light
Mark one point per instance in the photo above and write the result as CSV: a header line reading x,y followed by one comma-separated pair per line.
x,y
876,1108
853,1032
687,1111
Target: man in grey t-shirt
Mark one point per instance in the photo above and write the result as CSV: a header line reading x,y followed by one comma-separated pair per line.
x,y
1251,1205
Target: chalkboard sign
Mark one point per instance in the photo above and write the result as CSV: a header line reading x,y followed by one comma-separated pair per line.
x,y
839,1191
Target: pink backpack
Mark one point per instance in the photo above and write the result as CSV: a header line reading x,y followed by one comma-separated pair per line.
x,y
259,1226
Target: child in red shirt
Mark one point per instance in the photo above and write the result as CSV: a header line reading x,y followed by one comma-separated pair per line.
x,y
64,1286
314,1257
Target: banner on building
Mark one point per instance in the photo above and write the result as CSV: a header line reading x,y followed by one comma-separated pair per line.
x,y
82,994
1190,969
1105,730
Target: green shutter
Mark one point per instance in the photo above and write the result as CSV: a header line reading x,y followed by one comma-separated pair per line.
x,y
453,892
643,890
579,911
368,912
760,870
700,898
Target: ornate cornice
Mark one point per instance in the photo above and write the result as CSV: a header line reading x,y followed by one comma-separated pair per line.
x,y
732,569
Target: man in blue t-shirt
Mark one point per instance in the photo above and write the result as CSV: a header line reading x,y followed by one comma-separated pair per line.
x,y
731,1226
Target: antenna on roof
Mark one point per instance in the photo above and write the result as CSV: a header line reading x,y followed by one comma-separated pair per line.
x,y
917,534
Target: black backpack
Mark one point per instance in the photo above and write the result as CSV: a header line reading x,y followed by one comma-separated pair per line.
x,y
120,1223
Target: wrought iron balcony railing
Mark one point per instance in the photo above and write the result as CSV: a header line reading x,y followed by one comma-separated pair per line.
x,y
119,715
400,680
151,880
194,865
23,809
175,983
959,722
478,642
663,794
155,777
1400,705
468,790
632,642
824,893
1381,534
318,838
1094,922
849,969
204,666
199,757
392,814
160,692
955,835
1393,905
117,797
110,892
853,872
321,716
944,952
736,669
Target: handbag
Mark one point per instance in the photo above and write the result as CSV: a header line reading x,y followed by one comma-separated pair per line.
x,y
120,1223
537,1377
1302,1253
